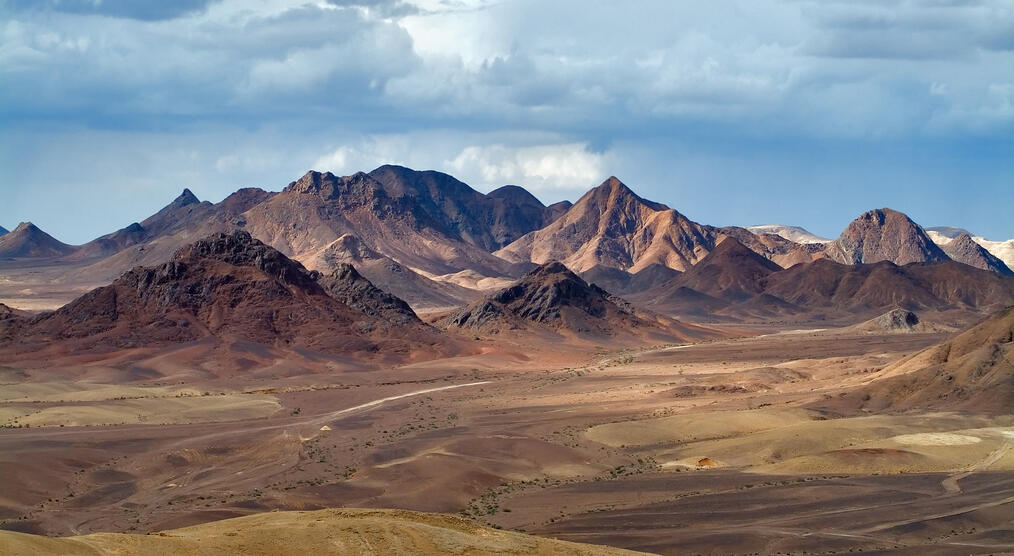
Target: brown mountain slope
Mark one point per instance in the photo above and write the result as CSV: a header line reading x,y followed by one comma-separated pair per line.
x,y
335,531
317,209
965,250
973,372
349,287
863,288
486,221
826,290
884,235
731,272
611,226
229,287
551,297
778,249
419,291
28,241
155,239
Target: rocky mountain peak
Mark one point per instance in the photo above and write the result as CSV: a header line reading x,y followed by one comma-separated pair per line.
x,y
239,248
616,193
27,240
185,199
515,194
884,235
348,286
539,297
964,249
26,227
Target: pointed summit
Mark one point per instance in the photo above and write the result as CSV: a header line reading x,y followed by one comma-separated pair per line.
x,y
617,191
884,235
611,226
186,198
28,241
964,249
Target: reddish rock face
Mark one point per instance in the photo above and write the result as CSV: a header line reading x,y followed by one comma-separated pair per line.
x,y
884,235
612,227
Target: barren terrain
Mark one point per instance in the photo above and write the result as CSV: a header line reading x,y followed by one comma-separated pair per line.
x,y
717,447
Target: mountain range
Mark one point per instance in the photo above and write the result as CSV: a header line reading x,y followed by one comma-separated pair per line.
x,y
433,241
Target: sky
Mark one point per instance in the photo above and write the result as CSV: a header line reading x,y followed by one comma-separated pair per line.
x,y
733,112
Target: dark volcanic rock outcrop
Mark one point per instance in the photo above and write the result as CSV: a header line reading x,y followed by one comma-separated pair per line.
x,y
543,296
552,297
349,287
884,235
227,286
965,250
28,241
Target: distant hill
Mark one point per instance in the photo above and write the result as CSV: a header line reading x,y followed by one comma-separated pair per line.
x,y
965,250
1003,250
791,233
28,241
972,372
825,290
895,321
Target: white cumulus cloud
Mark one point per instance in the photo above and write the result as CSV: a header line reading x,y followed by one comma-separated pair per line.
x,y
543,167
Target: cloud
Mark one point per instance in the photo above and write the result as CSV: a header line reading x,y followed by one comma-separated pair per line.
x,y
540,93
127,9
568,167
552,169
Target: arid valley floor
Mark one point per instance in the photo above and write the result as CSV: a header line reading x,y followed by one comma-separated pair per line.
x,y
706,448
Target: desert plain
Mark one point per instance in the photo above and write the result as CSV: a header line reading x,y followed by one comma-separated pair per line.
x,y
720,446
